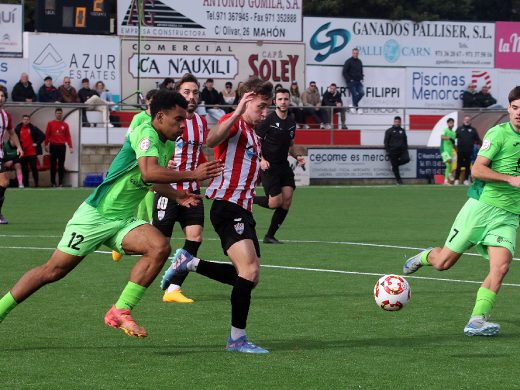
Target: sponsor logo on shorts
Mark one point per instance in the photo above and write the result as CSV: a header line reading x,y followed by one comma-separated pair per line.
x,y
239,227
160,215
486,144
144,144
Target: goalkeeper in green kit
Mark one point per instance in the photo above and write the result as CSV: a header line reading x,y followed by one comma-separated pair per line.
x,y
107,215
488,220
447,149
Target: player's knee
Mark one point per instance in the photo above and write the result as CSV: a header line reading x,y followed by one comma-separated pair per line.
x,y
275,202
251,273
286,203
52,273
160,248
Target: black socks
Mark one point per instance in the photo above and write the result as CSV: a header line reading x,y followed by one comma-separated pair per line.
x,y
278,218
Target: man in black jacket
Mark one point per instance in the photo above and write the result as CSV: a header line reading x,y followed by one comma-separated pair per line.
x,y
353,75
396,145
467,138
469,97
48,93
23,90
31,139
484,98
332,98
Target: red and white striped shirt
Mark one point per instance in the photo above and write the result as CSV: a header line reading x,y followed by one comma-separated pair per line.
x,y
240,154
5,126
188,152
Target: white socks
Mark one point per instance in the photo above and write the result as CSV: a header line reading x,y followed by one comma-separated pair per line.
x,y
236,333
193,264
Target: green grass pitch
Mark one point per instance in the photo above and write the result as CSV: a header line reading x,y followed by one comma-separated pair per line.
x,y
313,309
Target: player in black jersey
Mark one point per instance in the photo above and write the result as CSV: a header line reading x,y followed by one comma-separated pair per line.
x,y
277,137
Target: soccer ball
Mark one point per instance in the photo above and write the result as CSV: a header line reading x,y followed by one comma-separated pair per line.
x,y
391,292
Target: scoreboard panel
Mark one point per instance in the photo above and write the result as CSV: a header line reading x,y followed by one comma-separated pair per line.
x,y
75,16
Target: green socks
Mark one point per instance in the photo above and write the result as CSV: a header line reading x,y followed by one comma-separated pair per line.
x,y
7,303
447,171
484,303
424,257
131,296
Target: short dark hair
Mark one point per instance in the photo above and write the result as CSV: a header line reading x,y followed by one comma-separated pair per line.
x,y
333,84
450,120
58,109
282,90
166,99
514,94
85,80
259,87
26,116
397,118
47,78
151,93
210,81
229,84
187,78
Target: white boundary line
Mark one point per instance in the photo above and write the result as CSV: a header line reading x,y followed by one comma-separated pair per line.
x,y
291,268
352,243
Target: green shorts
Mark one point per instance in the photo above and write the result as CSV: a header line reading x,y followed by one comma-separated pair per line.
x,y
88,230
480,224
446,157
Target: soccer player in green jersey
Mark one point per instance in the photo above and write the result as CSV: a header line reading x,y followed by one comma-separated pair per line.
x,y
488,220
144,210
447,141
107,215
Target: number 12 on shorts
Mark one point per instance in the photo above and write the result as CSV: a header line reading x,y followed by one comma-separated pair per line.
x,y
75,241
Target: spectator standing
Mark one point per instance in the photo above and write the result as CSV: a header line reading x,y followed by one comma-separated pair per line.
x,y
58,136
447,149
485,99
332,98
467,138
228,96
311,101
23,90
68,92
469,97
353,75
396,145
48,93
295,106
31,139
211,98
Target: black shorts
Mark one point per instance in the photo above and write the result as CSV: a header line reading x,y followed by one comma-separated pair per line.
x,y
276,177
166,212
233,224
2,166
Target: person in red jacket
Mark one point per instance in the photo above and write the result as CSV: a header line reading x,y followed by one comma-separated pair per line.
x,y
58,136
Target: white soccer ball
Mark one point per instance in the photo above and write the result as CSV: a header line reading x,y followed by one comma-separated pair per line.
x,y
392,292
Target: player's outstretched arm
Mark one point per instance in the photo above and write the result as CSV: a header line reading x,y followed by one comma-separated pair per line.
x,y
152,172
482,171
220,131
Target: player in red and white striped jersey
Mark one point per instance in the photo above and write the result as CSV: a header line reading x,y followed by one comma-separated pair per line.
x,y
187,156
6,133
238,147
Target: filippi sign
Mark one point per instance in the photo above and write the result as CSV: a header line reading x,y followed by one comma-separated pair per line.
x,y
399,43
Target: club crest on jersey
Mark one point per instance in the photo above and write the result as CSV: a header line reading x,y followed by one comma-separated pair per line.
x,y
144,144
486,144
239,227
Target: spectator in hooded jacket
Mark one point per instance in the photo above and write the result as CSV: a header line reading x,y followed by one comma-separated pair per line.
x,y
311,101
